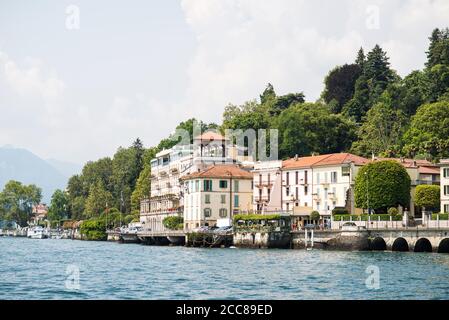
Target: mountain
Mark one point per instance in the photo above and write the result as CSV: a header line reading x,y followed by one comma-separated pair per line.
x,y
24,166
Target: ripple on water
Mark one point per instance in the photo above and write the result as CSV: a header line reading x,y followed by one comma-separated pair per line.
x,y
36,269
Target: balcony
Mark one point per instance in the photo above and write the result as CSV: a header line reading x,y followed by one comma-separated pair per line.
x,y
325,185
261,198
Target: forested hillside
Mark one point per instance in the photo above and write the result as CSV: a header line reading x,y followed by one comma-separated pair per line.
x,y
365,108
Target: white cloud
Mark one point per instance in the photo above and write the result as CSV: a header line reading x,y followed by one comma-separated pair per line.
x,y
31,80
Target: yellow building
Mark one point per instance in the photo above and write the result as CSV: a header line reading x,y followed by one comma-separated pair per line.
x,y
212,196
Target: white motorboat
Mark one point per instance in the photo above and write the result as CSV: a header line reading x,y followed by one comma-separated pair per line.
x,y
37,232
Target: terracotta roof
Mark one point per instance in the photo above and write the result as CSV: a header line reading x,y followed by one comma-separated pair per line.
x,y
411,163
323,160
220,171
429,170
210,135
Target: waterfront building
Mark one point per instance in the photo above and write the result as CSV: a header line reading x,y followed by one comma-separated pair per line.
x,y
301,185
444,167
421,172
166,197
319,183
266,177
39,213
212,196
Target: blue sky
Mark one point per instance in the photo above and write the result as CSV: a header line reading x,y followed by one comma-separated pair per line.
x,y
136,69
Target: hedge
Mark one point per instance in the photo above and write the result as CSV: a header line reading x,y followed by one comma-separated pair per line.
x,y
364,217
256,217
443,216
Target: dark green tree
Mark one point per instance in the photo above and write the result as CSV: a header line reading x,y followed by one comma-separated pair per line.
x,y
340,85
311,127
382,184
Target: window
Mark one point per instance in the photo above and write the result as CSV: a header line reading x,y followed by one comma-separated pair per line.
x,y
334,177
223,213
306,190
297,193
269,178
345,171
296,177
236,186
207,185
207,198
446,208
223,198
318,178
223,184
287,191
318,206
446,172
305,176
197,185
236,200
446,190
305,204
207,212
287,177
269,194
260,179
288,206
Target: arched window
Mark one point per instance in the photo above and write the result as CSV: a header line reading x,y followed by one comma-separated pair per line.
x,y
223,213
207,212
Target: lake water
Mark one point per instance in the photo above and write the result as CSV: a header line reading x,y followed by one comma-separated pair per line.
x,y
47,269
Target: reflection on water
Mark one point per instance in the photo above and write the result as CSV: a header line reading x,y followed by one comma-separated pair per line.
x,y
47,269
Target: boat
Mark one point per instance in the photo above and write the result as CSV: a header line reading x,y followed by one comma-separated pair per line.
x,y
37,232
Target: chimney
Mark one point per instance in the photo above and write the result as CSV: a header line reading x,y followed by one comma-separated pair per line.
x,y
373,157
296,157
402,160
415,163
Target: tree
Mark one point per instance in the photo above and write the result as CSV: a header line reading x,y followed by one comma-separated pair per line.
x,y
17,201
59,206
250,115
311,127
361,59
427,197
268,94
99,199
375,78
382,184
438,52
340,85
429,131
143,188
381,132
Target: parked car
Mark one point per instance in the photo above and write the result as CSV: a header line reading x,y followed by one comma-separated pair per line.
x,y
351,226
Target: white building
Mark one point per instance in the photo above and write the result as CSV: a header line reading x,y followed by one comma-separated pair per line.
x,y
266,177
213,195
319,183
444,185
169,166
302,185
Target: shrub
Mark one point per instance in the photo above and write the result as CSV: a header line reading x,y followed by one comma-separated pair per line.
x,y
173,222
94,229
427,196
315,215
385,183
340,211
256,217
393,211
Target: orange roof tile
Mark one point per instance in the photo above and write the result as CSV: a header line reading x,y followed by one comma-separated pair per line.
x,y
323,160
411,163
429,170
220,171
